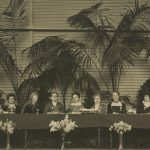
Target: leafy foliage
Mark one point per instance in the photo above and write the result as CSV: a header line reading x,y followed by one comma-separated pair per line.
x,y
118,50
145,89
53,65
10,17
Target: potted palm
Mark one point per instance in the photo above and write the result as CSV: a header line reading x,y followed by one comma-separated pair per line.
x,y
10,18
52,64
119,49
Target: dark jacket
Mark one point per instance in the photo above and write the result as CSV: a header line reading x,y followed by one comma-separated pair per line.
x,y
32,109
116,109
16,109
49,107
141,109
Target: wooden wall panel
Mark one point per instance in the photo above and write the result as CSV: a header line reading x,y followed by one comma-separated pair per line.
x,y
52,14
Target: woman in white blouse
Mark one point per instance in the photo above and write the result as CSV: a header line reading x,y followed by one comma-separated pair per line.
x,y
97,107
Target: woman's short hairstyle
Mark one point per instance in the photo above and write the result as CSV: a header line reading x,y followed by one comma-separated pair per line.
x,y
76,93
51,93
11,95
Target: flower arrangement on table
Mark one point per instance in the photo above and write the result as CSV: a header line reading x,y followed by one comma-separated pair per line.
x,y
64,126
120,127
131,111
8,127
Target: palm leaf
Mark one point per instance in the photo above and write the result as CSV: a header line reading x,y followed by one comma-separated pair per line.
x,y
136,22
87,19
117,58
129,40
83,56
62,72
44,53
15,12
8,64
85,81
11,16
45,45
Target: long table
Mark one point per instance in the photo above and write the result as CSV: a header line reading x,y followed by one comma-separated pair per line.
x,y
41,121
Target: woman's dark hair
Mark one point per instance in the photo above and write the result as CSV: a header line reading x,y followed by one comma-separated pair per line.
x,y
51,93
144,90
11,95
76,93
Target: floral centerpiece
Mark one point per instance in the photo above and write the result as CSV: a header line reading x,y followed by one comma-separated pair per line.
x,y
120,127
64,126
8,127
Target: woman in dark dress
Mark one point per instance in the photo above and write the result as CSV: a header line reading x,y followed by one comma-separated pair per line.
x,y
32,106
116,107
144,106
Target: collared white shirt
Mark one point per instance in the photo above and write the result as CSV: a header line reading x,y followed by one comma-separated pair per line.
x,y
116,104
146,104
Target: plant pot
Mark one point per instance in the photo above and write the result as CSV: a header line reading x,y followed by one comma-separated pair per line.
x,y
8,146
120,141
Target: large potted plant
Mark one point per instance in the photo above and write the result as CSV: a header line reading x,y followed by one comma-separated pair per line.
x,y
52,64
118,49
10,18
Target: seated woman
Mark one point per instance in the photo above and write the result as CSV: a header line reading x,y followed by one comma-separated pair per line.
x,y
75,105
53,106
11,106
130,106
144,107
32,106
97,106
116,107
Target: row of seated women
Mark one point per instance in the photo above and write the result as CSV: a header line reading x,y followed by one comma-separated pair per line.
x,y
76,106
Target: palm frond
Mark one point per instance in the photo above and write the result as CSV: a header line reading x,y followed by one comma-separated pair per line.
x,y
147,55
84,57
136,18
48,44
77,49
40,64
9,66
117,58
14,13
135,24
26,87
96,22
9,18
129,39
86,80
45,53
